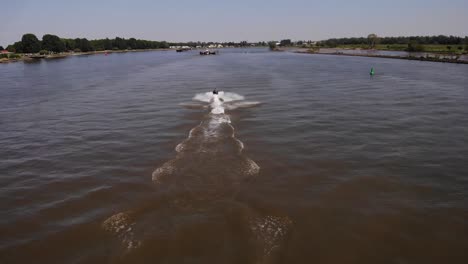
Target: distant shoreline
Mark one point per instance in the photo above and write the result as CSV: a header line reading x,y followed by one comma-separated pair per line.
x,y
34,57
421,58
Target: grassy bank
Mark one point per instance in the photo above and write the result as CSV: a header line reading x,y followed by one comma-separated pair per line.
x,y
10,57
420,58
455,49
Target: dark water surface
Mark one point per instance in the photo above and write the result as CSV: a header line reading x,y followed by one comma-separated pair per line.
x,y
331,167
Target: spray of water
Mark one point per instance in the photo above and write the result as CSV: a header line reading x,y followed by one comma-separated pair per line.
x,y
213,144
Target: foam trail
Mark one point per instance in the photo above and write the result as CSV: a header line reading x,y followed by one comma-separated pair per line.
x,y
203,179
216,104
211,147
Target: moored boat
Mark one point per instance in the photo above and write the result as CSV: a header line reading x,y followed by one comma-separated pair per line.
x,y
209,52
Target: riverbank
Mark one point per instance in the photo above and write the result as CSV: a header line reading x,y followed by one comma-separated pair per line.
x,y
433,57
32,57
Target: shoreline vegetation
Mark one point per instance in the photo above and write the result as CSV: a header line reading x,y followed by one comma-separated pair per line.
x,y
34,56
51,47
433,58
449,49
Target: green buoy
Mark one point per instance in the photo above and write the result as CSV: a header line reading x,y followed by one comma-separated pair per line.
x,y
372,72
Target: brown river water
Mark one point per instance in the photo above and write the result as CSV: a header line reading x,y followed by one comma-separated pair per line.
x,y
129,158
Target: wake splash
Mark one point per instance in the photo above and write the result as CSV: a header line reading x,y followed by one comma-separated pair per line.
x,y
211,154
204,180
224,96
218,104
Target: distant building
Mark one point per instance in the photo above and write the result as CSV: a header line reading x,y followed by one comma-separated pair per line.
x,y
5,52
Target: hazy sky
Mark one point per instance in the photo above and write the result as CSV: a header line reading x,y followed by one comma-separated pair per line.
x,y
234,20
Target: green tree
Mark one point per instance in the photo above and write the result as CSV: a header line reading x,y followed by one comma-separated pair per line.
x,y
120,43
97,44
332,43
52,43
132,43
30,43
1,48
69,44
11,48
163,45
272,45
373,39
77,43
107,44
17,47
285,42
83,44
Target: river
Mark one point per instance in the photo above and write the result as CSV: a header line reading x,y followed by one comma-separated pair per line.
x,y
129,158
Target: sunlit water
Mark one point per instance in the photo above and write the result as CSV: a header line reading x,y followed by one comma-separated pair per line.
x,y
129,158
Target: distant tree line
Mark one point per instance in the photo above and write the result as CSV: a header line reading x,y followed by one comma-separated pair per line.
x,y
29,43
371,40
50,43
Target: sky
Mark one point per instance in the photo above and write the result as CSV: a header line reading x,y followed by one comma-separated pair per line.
x,y
234,20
